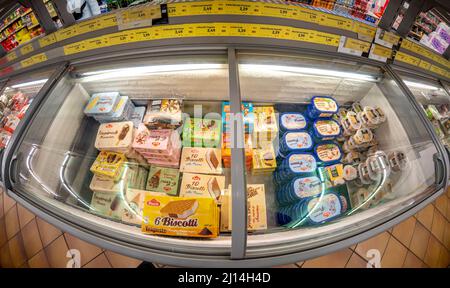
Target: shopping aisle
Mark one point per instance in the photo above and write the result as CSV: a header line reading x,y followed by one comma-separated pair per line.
x,y
420,241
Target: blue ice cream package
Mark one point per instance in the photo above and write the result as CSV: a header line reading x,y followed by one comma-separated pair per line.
x,y
121,112
325,129
322,107
299,188
295,142
327,153
295,164
292,121
102,104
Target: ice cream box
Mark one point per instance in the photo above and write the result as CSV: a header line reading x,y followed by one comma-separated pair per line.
x,y
202,133
256,209
164,114
107,204
121,112
109,164
137,175
327,153
175,216
108,185
114,136
264,159
102,104
11,122
172,157
322,107
201,160
325,129
292,121
137,115
5,136
265,127
201,185
161,179
156,141
133,206
247,112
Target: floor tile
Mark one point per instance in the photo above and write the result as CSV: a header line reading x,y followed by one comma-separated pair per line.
x,y
2,207
3,236
25,216
441,204
411,261
87,250
447,235
31,239
39,261
121,261
356,261
12,222
438,226
8,202
448,210
98,262
443,261
395,254
432,254
47,232
56,253
404,231
17,250
448,192
378,242
419,241
334,260
5,257
425,216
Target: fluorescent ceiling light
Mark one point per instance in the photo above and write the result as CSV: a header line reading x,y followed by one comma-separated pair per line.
x,y
420,85
310,71
140,71
32,83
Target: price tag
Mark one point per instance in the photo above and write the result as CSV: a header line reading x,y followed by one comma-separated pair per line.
x,y
144,34
88,26
26,63
47,40
269,31
11,56
336,22
403,57
438,70
38,58
74,48
308,15
26,49
66,33
238,8
121,38
353,46
298,34
327,39
235,29
424,65
380,53
175,31
390,37
107,21
173,9
199,8
205,30
365,32
278,10
95,43
406,44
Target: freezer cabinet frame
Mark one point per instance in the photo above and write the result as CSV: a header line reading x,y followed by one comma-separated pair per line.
x,y
245,250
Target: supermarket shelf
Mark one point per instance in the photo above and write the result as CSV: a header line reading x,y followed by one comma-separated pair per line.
x,y
11,22
33,26
17,30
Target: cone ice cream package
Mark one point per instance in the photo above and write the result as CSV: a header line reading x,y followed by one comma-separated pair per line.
x,y
164,180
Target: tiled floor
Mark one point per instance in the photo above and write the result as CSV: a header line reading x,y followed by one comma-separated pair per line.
x,y
420,241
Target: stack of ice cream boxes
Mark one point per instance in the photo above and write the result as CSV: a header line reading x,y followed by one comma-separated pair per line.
x,y
302,151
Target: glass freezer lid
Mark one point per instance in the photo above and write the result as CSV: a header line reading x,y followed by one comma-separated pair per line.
x,y
333,143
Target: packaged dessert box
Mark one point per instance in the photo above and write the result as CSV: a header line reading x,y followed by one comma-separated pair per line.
x,y
137,175
137,116
107,204
161,179
201,185
108,185
5,136
325,129
265,127
264,160
175,216
201,160
226,150
322,107
115,136
292,121
327,153
102,104
109,164
133,204
164,114
163,141
121,112
202,133
248,116
11,122
256,209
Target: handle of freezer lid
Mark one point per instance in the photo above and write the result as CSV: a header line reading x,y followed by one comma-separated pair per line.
x,y
12,170
439,169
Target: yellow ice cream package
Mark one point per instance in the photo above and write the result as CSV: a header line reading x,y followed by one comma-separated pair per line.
x,y
109,164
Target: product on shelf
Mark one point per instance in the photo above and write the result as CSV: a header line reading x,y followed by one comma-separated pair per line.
x,y
264,160
115,137
202,185
350,173
164,114
159,147
295,164
5,136
137,115
295,142
137,175
107,204
201,160
109,185
226,150
199,132
102,104
314,211
350,123
162,179
397,161
333,175
322,107
292,121
327,153
265,126
298,189
122,111
325,129
256,209
247,113
175,216
109,164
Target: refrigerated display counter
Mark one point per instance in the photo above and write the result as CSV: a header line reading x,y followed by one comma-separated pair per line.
x,y
219,157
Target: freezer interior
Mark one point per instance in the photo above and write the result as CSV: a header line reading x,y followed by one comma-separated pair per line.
x,y
60,165
435,102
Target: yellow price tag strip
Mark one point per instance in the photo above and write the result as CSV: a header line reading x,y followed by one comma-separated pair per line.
x,y
107,21
365,30
382,51
238,8
438,70
327,39
406,58
358,45
47,40
336,22
11,56
88,26
390,37
139,13
66,33
74,48
26,49
425,65
35,59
